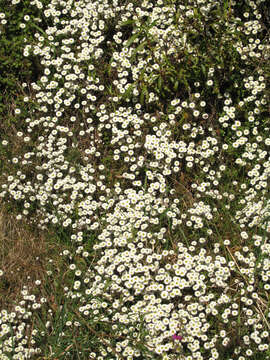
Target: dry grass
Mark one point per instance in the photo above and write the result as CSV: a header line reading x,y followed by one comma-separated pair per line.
x,y
23,256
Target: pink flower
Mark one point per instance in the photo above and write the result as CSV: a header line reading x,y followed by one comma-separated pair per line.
x,y
177,337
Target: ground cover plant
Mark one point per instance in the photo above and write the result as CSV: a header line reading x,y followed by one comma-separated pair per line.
x,y
134,184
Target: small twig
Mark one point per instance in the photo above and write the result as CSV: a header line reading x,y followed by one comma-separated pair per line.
x,y
63,353
260,310
262,302
31,331
236,263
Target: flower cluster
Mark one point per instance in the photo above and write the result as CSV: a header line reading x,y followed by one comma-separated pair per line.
x,y
163,196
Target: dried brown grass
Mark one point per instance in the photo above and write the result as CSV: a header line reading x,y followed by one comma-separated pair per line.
x,y
23,257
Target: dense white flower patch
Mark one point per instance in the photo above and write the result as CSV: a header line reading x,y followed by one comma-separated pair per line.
x,y
94,164
15,329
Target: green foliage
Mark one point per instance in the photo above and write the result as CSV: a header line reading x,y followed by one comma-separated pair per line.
x,y
15,68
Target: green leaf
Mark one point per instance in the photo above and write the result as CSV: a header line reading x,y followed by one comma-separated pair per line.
x,y
147,95
142,74
144,90
160,83
176,85
128,91
153,77
152,24
39,29
181,73
172,79
177,16
203,69
132,39
139,48
166,88
195,60
128,22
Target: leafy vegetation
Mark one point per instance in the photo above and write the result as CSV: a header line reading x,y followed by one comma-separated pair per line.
x,y
134,163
